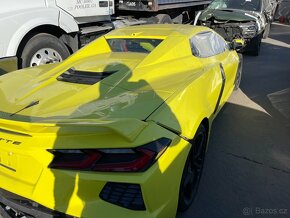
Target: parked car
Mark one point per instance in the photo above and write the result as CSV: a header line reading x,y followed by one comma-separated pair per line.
x,y
245,19
118,129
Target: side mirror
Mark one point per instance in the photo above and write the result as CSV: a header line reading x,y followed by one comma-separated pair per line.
x,y
236,44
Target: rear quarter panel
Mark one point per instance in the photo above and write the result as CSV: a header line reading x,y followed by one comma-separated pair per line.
x,y
229,61
192,102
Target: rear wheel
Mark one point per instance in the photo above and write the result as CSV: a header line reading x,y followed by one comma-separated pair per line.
x,y
42,49
192,170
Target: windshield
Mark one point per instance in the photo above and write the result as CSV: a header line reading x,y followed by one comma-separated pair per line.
x,y
133,45
248,5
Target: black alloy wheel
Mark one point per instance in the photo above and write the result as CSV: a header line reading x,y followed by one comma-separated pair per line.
x,y
192,170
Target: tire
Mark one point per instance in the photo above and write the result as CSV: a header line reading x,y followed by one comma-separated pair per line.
x,y
239,73
163,19
42,49
266,31
256,45
192,170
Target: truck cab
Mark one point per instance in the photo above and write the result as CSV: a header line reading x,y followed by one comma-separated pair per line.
x,y
46,31
37,32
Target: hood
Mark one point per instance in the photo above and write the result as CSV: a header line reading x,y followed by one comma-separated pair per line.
x,y
228,15
101,87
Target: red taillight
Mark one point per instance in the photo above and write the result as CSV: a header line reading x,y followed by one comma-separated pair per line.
x,y
75,159
143,158
110,160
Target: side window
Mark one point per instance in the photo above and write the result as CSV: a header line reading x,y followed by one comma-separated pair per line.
x,y
207,44
221,43
201,46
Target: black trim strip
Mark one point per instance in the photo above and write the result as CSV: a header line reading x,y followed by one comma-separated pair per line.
x,y
28,106
222,88
169,129
239,68
173,131
9,168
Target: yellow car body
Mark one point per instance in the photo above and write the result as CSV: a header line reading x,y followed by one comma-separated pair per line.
x,y
166,92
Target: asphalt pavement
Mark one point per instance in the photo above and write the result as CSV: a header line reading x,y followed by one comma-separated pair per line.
x,y
247,168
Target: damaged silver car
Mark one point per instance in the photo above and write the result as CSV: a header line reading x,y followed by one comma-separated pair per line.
x,y
249,20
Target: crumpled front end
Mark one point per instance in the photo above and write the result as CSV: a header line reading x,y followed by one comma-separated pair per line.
x,y
233,24
234,30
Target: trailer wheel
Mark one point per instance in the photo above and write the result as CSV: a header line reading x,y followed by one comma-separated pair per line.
x,y
164,18
42,49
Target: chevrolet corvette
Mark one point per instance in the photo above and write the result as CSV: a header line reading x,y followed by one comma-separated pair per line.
x,y
119,129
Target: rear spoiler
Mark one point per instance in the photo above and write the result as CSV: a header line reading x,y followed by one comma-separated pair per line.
x,y
127,128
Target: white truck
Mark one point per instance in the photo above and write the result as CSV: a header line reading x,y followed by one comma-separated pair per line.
x,y
35,32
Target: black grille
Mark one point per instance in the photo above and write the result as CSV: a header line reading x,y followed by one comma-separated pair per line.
x,y
124,195
83,77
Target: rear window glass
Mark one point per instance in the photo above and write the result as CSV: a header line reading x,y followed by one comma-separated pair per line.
x,y
133,45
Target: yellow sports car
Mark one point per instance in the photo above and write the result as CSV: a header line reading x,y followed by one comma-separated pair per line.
x,y
119,129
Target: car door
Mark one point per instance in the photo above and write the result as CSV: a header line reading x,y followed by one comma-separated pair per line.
x,y
213,50
228,62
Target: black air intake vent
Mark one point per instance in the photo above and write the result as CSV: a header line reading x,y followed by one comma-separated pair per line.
x,y
83,77
123,194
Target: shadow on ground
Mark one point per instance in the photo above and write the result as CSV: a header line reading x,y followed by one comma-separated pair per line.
x,y
266,78
247,166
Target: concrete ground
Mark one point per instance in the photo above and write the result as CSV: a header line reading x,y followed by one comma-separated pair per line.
x,y
247,168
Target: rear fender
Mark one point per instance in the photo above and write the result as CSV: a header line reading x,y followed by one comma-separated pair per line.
x,y
184,111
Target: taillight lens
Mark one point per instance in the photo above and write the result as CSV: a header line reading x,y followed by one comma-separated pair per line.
x,y
110,160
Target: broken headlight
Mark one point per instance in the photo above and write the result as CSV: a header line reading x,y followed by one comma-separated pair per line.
x,y
249,30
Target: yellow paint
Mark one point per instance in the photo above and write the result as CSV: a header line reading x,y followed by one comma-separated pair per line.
x,y
169,86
